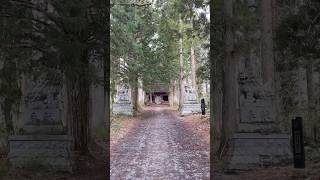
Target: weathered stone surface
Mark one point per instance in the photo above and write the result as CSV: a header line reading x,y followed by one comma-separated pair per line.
x,y
122,109
43,112
123,95
252,150
257,141
123,105
258,128
190,94
190,105
256,111
190,108
42,142
50,151
97,96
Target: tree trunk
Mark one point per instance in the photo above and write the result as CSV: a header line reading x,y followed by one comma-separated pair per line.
x,y
150,97
267,44
229,111
97,101
216,110
135,94
181,99
174,88
106,65
193,69
171,93
311,99
7,109
78,110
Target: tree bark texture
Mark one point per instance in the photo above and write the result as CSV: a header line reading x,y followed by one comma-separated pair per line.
x,y
193,68
311,100
78,111
229,100
181,99
267,44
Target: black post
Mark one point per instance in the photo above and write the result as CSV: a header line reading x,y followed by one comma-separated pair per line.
x,y
203,107
297,143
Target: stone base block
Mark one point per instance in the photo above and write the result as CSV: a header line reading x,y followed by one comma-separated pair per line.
x,y
249,151
46,151
122,109
190,108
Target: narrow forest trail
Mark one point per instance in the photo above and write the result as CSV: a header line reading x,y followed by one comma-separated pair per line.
x,y
160,146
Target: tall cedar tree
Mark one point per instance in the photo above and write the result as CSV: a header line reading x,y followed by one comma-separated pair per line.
x,y
66,34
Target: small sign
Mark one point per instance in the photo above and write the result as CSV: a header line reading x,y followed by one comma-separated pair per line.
x,y
298,146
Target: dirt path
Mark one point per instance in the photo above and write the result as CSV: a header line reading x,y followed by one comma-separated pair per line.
x,y
160,146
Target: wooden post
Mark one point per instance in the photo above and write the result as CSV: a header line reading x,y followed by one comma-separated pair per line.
x,y
298,146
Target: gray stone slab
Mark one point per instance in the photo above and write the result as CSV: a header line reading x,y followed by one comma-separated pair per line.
x,y
258,127
43,129
50,151
122,109
258,111
253,150
190,108
43,107
259,136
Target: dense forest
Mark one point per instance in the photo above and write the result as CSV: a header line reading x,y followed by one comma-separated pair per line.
x,y
86,48
163,42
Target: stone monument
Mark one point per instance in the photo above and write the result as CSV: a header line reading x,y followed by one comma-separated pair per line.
x,y
190,105
257,141
157,99
43,139
123,105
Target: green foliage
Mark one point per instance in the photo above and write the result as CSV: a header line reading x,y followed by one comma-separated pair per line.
x,y
135,39
147,38
64,37
298,47
56,41
299,32
217,41
245,23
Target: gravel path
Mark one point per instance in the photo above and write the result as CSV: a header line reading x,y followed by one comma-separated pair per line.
x,y
160,146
